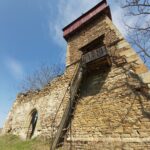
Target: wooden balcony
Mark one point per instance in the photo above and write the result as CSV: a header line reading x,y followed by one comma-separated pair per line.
x,y
94,55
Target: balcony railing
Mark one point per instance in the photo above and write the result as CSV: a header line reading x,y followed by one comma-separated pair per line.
x,y
94,54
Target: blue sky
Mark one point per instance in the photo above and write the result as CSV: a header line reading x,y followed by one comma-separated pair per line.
x,y
30,34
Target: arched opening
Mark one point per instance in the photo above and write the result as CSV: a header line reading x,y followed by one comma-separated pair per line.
x,y
32,125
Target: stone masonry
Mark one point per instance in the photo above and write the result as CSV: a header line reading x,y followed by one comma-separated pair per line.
x,y
46,102
111,113
113,106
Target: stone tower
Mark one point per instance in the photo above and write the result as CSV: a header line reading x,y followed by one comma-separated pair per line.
x,y
109,102
102,99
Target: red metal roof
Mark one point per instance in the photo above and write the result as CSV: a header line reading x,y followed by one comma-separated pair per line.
x,y
100,8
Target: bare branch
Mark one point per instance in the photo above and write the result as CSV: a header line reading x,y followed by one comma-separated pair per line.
x,y
139,32
40,77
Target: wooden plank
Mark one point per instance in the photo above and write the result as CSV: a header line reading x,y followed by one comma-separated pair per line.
x,y
68,110
94,54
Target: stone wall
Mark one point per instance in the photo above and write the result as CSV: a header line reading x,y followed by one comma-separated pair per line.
x,y
113,110
46,101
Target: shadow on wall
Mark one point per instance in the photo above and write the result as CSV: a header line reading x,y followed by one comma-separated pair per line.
x,y
141,92
93,81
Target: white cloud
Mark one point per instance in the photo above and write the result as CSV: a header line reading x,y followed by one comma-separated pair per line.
x,y
120,20
67,11
14,67
117,19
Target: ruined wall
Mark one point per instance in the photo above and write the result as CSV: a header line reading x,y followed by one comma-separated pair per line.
x,y
46,102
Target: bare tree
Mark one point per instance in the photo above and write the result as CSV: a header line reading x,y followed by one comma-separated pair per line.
x,y
139,32
40,77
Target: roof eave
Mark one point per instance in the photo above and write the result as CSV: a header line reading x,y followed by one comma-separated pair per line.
x,y
99,9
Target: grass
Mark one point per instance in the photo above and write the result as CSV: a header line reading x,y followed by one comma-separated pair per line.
x,y
12,142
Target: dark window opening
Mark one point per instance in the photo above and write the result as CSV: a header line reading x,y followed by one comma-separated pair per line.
x,y
32,125
95,44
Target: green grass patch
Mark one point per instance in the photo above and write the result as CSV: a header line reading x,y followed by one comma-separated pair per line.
x,y
12,142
